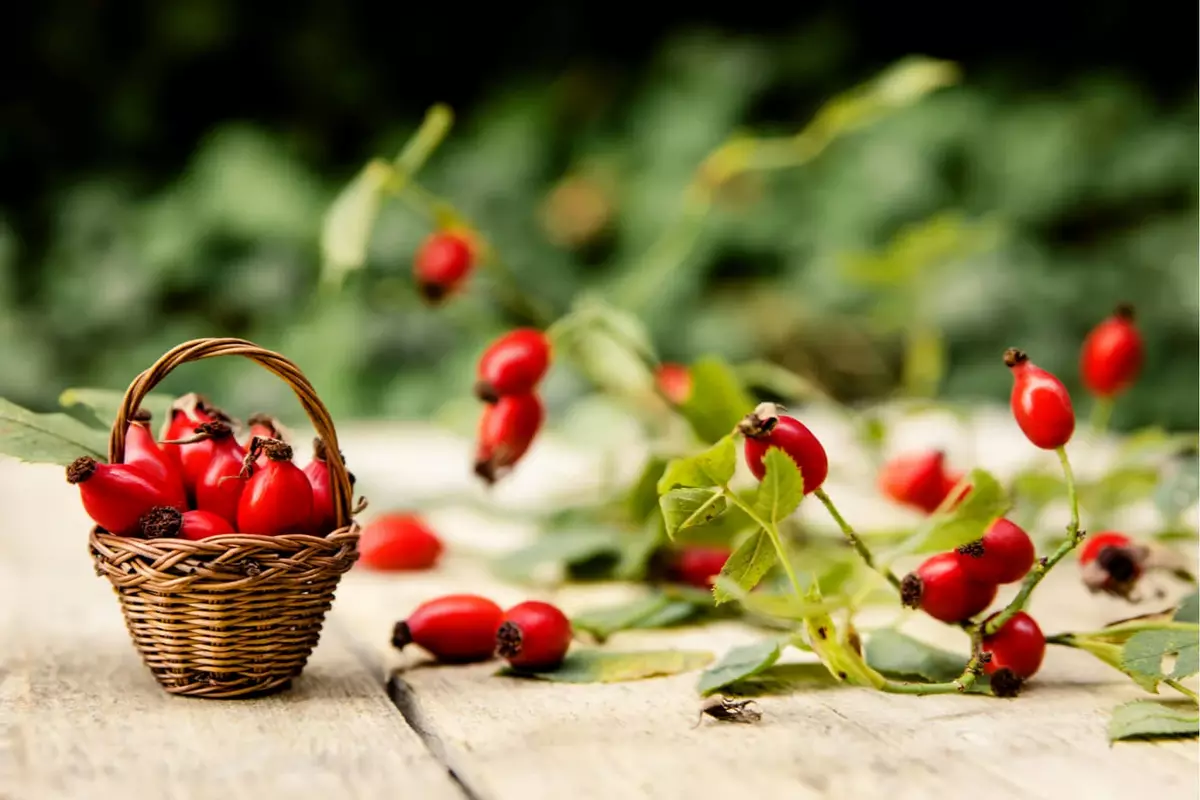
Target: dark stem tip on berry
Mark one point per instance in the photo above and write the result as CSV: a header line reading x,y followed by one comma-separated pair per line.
x,y
973,549
508,640
761,421
320,452
161,522
486,392
1013,357
911,589
81,469
433,293
216,429
486,469
401,635
1124,311
1006,683
1120,563
141,415
277,450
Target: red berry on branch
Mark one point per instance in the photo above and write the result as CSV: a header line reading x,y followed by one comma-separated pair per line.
x,y
116,496
940,587
765,428
1004,554
674,382
458,628
918,480
442,264
278,498
1112,354
699,565
1016,652
399,542
534,636
1113,563
1040,403
512,365
506,430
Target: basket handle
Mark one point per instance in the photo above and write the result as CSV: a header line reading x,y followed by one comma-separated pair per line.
x,y
198,349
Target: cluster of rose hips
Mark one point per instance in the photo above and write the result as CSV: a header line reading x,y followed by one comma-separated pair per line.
x,y
508,374
462,628
199,481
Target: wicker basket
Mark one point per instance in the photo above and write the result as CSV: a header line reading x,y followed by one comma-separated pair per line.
x,y
234,615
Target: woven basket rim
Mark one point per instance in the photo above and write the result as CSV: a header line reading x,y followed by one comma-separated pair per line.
x,y
225,542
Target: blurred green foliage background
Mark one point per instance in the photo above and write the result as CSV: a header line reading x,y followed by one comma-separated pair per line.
x,y
167,168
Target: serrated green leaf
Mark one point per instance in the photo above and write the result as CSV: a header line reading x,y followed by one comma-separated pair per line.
x,y
647,613
714,467
1110,653
47,438
986,502
105,403
905,658
718,400
1147,719
1145,652
739,663
346,230
1189,609
782,487
746,567
690,508
606,666
782,679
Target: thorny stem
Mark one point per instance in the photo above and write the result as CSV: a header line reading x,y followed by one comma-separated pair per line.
x,y
1044,565
1101,413
863,551
772,533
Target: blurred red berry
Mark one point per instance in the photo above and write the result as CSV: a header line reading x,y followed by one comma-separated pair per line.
x,y
512,365
442,264
1112,354
399,541
674,382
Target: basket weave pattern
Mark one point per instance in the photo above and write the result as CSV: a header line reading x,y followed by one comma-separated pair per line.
x,y
233,615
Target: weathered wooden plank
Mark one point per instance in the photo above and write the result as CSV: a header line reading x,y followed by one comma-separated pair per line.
x,y
81,717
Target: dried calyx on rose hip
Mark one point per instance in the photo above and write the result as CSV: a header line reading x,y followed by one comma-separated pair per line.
x,y
1004,555
1040,403
941,588
458,628
265,426
1013,654
534,636
278,498
399,541
767,427
187,413
919,480
442,265
164,522
514,364
1112,563
116,496
1112,354
506,430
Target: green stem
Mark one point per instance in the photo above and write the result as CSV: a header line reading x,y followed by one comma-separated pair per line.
x,y
1101,413
773,533
960,685
1179,687
863,551
1044,565
421,145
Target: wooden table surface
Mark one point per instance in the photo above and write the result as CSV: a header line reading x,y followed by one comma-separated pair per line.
x,y
81,717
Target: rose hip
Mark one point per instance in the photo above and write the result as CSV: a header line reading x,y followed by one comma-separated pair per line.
x,y
209,441
514,364
674,382
1016,652
142,451
765,428
1112,562
166,522
277,499
505,432
187,413
116,496
1004,554
534,636
442,265
918,480
264,426
1112,354
1040,403
399,542
940,587
317,471
220,488
699,565
458,628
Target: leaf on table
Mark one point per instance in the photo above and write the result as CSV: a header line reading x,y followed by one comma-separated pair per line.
x,y
1147,653
739,663
690,508
547,559
607,666
745,567
986,502
782,487
718,400
642,499
900,656
782,679
1189,609
346,229
636,548
655,611
777,606
1147,719
105,403
48,438
714,467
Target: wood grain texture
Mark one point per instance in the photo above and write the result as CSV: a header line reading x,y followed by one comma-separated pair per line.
x,y
80,716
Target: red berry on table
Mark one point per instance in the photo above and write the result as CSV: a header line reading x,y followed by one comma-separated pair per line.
x,y
940,587
674,382
1016,652
278,498
1112,562
220,487
116,496
1112,354
317,471
918,480
458,628
512,365
166,522
399,542
699,565
506,430
1004,554
143,451
1040,403
766,428
443,262
534,636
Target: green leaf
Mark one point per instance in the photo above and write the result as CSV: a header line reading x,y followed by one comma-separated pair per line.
x,y
718,400
1145,652
967,522
1178,490
642,499
655,611
777,606
842,662
714,467
1146,719
782,679
905,658
1118,488
739,663
1189,609
47,438
782,487
348,223
636,548
746,567
1110,653
689,508
607,666
547,559
105,403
